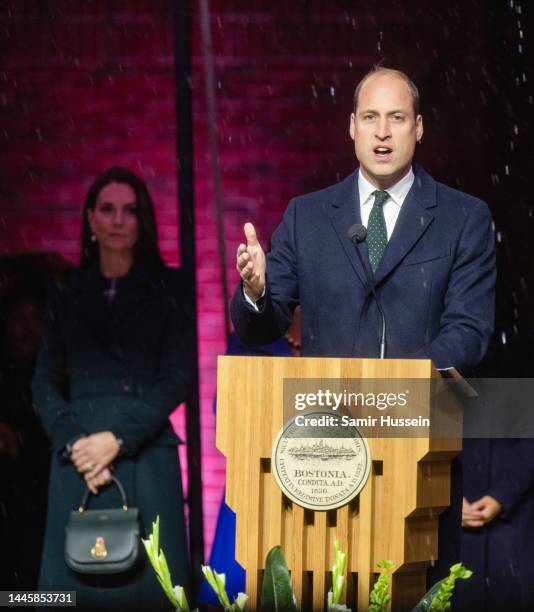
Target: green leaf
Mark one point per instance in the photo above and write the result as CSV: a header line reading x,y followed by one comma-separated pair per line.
x,y
277,592
426,600
438,598
338,575
218,583
176,595
379,596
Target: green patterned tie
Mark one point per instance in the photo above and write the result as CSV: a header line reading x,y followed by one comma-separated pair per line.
x,y
377,236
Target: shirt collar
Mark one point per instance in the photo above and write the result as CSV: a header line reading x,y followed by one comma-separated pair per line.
x,y
397,192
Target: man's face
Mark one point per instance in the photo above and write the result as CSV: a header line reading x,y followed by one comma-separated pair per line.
x,y
385,129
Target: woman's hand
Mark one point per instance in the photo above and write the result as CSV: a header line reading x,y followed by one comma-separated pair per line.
x,y
90,455
480,512
102,479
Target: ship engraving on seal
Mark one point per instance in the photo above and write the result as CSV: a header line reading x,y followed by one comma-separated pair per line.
x,y
320,468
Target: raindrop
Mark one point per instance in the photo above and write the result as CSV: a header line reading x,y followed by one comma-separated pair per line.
x,y
314,91
507,170
516,129
498,236
503,337
332,92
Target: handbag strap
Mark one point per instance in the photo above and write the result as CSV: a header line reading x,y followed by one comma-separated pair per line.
x,y
116,481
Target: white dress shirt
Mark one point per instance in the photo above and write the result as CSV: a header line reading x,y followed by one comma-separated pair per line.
x,y
397,195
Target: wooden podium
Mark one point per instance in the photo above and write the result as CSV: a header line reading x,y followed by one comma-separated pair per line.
x,y
395,516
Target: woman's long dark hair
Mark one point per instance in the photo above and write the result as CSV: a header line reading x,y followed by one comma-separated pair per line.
x,y
146,249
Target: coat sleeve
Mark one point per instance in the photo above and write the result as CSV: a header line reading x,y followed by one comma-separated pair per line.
x,y
146,416
514,477
468,315
281,291
49,380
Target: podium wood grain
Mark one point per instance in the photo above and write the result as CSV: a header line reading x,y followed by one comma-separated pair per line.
x,y
394,517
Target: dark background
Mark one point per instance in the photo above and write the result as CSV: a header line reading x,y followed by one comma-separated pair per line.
x,y
89,84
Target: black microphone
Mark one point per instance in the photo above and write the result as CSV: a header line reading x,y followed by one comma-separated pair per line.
x,y
357,234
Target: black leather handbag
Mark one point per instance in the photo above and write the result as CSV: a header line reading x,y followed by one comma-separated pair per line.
x,y
102,541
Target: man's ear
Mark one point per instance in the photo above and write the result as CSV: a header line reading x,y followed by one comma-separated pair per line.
x,y
419,128
352,126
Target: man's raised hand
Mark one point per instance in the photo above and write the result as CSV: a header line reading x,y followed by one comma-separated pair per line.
x,y
251,264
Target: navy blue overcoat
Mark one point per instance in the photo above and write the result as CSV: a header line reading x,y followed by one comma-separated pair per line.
x,y
436,280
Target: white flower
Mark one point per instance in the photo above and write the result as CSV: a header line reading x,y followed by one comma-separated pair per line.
x,y
241,601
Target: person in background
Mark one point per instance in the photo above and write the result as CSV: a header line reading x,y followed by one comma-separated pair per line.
x,y
112,366
24,452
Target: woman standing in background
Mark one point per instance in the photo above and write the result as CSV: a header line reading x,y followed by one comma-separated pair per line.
x,y
113,365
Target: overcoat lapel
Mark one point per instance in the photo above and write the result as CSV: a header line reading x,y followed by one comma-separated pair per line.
x,y
414,219
344,211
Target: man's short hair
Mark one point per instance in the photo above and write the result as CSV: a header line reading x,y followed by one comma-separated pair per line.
x,y
382,70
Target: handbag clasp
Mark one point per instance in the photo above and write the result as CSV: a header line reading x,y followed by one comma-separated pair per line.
x,y
99,550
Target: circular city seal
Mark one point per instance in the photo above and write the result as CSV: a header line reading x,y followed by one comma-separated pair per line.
x,y
319,463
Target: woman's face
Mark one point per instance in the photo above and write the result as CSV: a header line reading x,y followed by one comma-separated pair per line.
x,y
114,218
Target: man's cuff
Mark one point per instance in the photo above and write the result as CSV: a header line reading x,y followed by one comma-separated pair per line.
x,y
258,303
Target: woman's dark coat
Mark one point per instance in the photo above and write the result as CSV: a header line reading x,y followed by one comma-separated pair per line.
x,y
119,367
501,554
